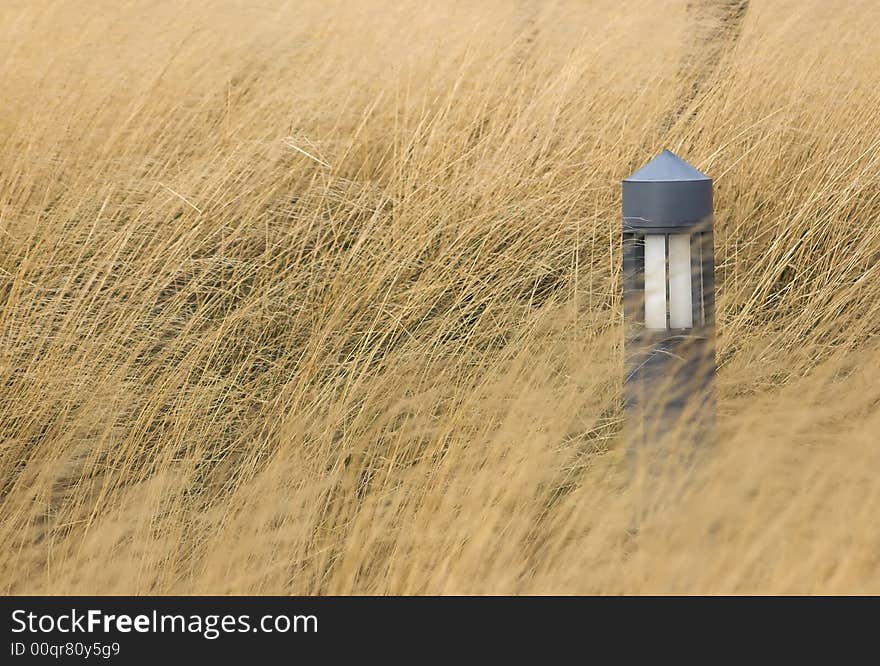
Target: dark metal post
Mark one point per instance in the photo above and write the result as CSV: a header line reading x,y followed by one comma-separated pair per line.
x,y
669,303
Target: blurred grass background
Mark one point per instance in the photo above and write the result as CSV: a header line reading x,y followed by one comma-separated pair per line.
x,y
323,297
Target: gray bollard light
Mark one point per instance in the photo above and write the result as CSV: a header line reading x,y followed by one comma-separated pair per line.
x,y
669,303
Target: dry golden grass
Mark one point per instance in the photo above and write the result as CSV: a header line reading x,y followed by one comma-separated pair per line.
x,y
323,297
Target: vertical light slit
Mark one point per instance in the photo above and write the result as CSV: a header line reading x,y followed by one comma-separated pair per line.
x,y
702,321
681,311
655,281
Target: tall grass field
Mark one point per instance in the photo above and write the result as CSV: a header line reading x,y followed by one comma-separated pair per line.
x,y
324,296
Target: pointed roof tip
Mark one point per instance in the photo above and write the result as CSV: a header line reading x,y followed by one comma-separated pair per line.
x,y
667,167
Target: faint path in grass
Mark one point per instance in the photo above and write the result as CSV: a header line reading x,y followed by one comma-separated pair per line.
x,y
716,26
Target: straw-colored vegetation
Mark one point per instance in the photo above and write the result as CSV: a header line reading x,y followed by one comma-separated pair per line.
x,y
324,297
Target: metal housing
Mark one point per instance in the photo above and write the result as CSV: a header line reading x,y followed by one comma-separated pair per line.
x,y
669,373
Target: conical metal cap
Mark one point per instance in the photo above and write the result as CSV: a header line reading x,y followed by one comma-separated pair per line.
x,y
666,193
666,167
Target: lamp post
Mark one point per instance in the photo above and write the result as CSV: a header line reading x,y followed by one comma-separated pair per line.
x,y
669,302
